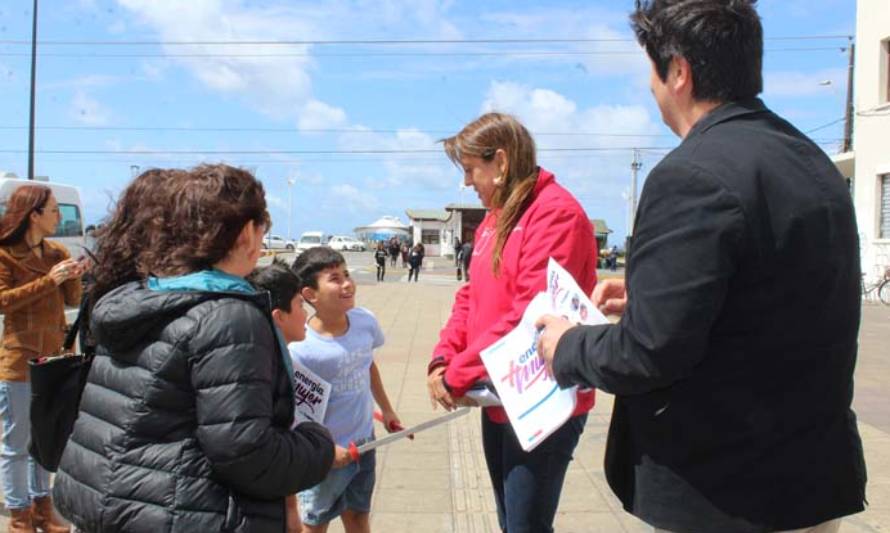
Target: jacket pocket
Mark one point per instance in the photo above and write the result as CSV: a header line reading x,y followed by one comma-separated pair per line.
x,y
233,517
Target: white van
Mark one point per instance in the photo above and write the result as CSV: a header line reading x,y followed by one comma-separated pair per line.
x,y
70,229
311,239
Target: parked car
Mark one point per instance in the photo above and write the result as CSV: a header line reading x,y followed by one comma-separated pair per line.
x,y
345,243
277,242
311,239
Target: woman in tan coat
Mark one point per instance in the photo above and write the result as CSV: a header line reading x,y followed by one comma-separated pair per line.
x,y
37,279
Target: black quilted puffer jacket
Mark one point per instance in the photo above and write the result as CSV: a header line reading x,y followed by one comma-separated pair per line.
x,y
184,423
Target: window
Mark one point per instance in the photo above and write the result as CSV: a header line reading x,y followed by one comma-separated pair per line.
x,y
70,224
885,71
429,236
884,208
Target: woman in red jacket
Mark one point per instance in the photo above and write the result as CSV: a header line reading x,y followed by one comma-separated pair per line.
x,y
531,218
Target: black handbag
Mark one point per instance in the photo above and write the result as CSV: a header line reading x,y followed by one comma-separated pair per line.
x,y
57,383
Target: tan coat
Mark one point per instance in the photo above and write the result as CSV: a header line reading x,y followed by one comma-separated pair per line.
x,y
33,306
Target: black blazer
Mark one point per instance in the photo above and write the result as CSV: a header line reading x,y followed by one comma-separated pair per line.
x,y
733,363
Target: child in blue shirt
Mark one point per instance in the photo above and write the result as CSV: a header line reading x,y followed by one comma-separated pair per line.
x,y
289,316
339,348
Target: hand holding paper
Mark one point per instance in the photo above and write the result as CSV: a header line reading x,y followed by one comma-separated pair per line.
x,y
552,329
534,403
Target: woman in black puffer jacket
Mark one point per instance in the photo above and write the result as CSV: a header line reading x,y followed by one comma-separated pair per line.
x,y
185,422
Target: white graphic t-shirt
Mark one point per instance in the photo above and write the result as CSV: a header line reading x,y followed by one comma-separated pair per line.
x,y
345,363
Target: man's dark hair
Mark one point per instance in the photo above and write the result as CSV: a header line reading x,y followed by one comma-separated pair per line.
x,y
721,39
280,281
310,263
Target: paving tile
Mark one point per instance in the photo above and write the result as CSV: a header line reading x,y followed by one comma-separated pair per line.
x,y
412,501
414,522
568,522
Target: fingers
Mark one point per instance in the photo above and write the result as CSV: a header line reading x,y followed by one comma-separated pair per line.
x,y
545,321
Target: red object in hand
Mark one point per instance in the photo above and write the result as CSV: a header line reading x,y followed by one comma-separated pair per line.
x,y
353,452
393,426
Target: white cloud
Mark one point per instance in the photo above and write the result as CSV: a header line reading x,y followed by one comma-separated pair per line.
x,y
88,111
352,199
425,170
276,79
319,115
597,177
779,84
276,201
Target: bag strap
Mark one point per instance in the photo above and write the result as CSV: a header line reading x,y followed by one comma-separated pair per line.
x,y
71,336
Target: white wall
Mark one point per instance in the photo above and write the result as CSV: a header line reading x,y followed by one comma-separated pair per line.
x,y
871,136
430,249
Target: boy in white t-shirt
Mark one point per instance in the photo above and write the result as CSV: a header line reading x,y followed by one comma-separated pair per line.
x,y
339,348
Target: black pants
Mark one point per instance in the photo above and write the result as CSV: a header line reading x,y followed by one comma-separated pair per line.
x,y
381,269
527,485
414,271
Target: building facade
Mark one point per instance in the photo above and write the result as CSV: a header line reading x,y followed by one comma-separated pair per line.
x,y
867,166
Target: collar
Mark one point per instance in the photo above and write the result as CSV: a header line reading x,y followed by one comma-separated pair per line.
x,y
725,112
25,255
203,280
545,178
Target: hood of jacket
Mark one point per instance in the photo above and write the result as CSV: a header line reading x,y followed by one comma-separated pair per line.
x,y
125,316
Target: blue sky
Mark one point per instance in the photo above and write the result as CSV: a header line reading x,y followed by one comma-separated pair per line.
x,y
177,105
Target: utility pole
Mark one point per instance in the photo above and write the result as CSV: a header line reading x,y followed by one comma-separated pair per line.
x,y
635,167
33,81
848,114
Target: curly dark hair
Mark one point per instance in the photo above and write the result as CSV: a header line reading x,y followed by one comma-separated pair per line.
x,y
171,222
721,39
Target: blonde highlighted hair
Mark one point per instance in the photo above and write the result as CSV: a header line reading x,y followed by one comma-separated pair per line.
x,y
482,138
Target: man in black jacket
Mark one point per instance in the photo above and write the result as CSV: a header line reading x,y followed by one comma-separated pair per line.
x,y
733,363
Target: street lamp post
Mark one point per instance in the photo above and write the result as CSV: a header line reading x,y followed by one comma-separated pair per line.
x,y
290,204
33,82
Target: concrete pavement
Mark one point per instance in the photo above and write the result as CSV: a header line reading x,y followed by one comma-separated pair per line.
x,y
439,483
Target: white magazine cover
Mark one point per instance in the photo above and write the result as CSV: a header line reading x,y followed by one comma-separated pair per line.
x,y
311,395
534,402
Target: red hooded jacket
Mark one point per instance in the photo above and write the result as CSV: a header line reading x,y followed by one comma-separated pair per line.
x,y
489,307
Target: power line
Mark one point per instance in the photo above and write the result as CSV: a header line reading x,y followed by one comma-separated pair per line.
x,y
530,53
319,130
309,152
823,126
372,42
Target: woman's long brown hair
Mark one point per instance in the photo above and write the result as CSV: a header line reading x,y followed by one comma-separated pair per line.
x,y
171,222
16,220
483,138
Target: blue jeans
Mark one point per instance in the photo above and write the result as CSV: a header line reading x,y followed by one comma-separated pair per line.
x,y
23,479
527,485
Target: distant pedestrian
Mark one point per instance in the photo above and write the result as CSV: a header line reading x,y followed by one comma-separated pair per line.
x,y
457,245
613,258
415,260
380,258
395,249
466,255
405,251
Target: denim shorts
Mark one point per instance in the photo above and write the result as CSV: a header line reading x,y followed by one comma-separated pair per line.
x,y
344,488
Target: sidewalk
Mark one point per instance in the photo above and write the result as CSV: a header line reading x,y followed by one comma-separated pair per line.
x,y
439,483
